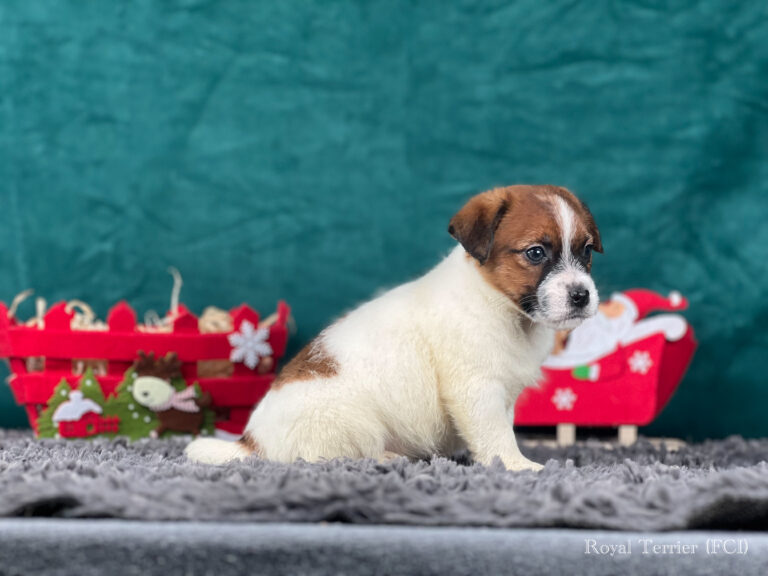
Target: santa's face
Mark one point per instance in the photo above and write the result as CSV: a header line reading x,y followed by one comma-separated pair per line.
x,y
612,322
612,309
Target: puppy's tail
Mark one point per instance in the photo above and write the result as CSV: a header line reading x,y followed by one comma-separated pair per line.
x,y
218,452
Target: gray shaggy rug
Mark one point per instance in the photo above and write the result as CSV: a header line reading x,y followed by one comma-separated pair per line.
x,y
714,485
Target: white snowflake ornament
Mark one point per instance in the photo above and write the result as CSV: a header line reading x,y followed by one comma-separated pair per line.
x,y
249,345
640,362
564,398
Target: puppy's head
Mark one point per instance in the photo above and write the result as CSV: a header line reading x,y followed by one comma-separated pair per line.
x,y
534,244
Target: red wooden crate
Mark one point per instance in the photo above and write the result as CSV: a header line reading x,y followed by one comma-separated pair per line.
x,y
119,346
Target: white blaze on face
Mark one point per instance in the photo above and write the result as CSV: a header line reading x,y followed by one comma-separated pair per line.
x,y
553,293
566,219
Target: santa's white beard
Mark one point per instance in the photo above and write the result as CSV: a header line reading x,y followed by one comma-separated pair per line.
x,y
592,339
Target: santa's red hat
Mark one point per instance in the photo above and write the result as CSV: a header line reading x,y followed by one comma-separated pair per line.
x,y
643,302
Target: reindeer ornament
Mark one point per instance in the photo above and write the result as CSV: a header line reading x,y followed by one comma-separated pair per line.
x,y
179,411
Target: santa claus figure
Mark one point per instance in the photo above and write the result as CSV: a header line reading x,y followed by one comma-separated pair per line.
x,y
619,322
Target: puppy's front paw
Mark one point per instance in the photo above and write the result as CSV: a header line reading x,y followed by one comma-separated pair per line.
x,y
520,464
388,456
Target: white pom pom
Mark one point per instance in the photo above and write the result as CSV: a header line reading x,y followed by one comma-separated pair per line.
x,y
675,298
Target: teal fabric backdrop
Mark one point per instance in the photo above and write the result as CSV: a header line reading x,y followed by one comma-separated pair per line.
x,y
314,151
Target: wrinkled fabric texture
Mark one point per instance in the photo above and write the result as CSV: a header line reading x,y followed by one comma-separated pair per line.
x,y
715,485
316,151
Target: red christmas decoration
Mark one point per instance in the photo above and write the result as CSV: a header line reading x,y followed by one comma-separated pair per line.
x,y
80,417
43,354
619,368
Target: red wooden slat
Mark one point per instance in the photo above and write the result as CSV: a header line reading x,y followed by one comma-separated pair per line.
x,y
279,332
180,310
243,313
27,342
240,415
58,318
37,387
58,365
234,392
18,365
5,324
121,318
117,368
189,371
33,413
19,390
231,427
278,338
283,312
185,323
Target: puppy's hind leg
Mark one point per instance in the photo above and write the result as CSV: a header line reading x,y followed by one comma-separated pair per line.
x,y
339,433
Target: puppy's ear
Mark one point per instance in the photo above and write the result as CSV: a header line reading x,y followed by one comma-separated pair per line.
x,y
475,225
589,220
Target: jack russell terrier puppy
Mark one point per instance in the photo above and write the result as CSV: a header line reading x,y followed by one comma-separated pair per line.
x,y
437,364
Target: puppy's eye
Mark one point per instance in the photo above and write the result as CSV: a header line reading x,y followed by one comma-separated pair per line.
x,y
588,251
535,254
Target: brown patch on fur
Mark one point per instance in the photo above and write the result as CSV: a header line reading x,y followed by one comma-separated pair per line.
x,y
311,362
497,227
249,443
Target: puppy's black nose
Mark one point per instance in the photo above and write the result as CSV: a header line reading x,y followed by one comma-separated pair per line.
x,y
579,296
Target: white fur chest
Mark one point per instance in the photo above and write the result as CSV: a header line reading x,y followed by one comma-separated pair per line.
x,y
473,327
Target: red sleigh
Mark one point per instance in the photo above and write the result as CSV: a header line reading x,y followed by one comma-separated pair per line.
x,y
636,382
41,357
